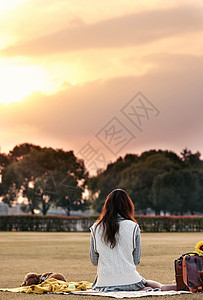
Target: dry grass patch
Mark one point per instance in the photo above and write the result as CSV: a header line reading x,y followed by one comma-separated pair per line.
x,y
68,253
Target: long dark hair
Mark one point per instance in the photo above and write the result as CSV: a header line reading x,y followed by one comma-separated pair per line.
x,y
117,202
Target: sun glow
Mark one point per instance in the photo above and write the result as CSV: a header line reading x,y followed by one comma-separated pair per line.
x,y
17,82
7,5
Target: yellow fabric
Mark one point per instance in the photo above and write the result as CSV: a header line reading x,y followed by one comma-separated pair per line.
x,y
51,286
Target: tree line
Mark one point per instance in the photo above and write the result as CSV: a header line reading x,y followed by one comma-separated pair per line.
x,y
160,180
156,179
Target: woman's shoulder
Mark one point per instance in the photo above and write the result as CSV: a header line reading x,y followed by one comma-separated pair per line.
x,y
129,223
121,218
94,227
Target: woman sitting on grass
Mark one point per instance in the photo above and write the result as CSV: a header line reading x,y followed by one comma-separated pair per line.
x,y
116,247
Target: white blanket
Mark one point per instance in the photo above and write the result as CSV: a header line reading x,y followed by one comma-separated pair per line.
x,y
129,294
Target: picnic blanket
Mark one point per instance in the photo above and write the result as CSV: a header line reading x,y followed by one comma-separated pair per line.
x,y
137,294
52,286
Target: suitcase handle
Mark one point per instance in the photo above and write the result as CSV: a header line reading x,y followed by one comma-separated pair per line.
x,y
188,253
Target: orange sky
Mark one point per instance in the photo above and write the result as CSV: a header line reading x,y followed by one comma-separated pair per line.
x,y
67,68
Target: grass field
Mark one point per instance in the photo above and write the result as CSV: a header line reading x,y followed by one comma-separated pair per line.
x,y
68,253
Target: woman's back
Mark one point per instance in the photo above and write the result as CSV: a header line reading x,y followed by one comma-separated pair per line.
x,y
116,265
116,247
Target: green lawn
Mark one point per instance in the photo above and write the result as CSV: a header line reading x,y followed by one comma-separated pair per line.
x,y
68,253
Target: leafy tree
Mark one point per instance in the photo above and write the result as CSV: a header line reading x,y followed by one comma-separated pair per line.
x,y
176,191
101,185
191,159
138,178
71,199
32,172
185,154
4,160
199,204
11,195
21,150
31,191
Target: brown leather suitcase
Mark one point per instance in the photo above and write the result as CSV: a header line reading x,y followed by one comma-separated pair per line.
x,y
189,272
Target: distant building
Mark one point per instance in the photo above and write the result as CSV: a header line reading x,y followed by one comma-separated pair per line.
x,y
4,209
14,210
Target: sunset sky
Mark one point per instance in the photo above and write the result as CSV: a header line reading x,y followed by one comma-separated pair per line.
x,y
73,73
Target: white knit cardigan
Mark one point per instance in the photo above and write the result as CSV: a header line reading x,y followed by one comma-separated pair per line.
x,y
116,266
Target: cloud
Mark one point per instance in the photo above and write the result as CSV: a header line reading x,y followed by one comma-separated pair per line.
x,y
124,31
74,115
